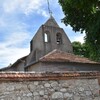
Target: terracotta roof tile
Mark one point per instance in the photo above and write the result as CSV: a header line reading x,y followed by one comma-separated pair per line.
x,y
22,76
60,56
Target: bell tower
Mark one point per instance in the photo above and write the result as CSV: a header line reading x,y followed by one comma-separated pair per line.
x,y
55,37
48,37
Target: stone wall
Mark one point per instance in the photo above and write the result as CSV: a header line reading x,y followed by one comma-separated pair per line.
x,y
49,86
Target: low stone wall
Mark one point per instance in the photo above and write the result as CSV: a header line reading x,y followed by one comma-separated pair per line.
x,y
50,86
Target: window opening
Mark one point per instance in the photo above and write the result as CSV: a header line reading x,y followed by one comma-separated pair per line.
x,y
45,37
31,45
59,38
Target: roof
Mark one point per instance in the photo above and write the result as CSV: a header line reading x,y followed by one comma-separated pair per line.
x,y
60,56
51,22
17,62
5,68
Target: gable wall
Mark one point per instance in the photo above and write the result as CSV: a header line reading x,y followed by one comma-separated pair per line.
x,y
38,47
66,44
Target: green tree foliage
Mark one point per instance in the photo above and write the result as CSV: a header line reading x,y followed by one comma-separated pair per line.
x,y
77,48
84,15
80,49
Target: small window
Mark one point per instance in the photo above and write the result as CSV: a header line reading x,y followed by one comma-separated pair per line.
x,y
31,46
59,38
45,37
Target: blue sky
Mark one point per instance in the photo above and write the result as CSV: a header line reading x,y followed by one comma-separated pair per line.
x,y
19,20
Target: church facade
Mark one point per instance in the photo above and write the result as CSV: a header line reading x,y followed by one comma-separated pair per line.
x,y
51,50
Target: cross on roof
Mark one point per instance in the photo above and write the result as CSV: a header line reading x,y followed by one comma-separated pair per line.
x,y
49,10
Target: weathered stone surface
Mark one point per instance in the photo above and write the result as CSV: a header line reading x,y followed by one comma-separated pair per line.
x,y
50,90
45,96
29,94
97,98
57,95
19,98
67,95
41,93
36,98
76,98
47,85
36,83
63,90
88,93
35,93
11,88
54,84
26,98
81,89
32,87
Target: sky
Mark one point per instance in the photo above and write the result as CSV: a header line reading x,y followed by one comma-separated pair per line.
x,y
19,21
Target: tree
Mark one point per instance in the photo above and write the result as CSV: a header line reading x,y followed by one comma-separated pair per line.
x,y
84,15
80,49
77,48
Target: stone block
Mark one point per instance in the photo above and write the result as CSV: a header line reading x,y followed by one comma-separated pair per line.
x,y
57,95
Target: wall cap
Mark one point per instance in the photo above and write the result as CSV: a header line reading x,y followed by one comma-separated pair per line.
x,y
32,76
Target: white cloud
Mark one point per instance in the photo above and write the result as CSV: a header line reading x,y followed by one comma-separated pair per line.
x,y
24,6
10,50
28,6
2,23
33,5
16,38
75,36
79,37
10,55
43,13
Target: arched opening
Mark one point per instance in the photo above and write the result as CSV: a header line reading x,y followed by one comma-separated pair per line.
x,y
45,37
59,38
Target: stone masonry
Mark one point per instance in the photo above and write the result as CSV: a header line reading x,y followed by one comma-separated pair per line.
x,y
62,89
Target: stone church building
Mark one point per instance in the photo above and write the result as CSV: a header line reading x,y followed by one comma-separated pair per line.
x,y
51,50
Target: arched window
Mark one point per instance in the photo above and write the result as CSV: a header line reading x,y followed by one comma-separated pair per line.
x,y
59,38
46,37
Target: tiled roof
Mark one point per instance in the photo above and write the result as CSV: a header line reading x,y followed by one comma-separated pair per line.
x,y
22,76
60,56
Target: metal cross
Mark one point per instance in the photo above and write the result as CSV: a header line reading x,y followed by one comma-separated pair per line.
x,y
50,12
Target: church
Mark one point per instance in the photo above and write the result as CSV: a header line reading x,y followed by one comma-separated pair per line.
x,y
51,51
